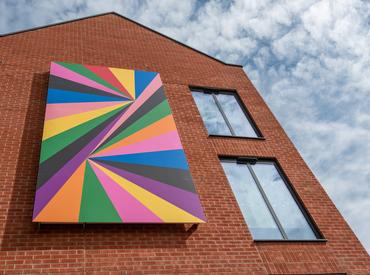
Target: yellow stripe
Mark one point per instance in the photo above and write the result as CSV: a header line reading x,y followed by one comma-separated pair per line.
x,y
126,77
55,126
160,207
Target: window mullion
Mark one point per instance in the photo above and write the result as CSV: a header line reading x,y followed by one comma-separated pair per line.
x,y
269,206
223,114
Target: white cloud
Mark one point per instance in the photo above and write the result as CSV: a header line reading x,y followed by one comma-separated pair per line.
x,y
310,59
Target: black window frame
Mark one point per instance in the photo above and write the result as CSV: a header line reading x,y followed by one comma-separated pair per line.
x,y
254,160
215,91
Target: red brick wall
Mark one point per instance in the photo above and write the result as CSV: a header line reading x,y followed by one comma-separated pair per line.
x,y
222,245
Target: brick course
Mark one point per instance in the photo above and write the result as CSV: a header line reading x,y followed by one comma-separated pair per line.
x,y
224,244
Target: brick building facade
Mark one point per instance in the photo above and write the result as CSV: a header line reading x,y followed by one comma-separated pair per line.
x,y
223,244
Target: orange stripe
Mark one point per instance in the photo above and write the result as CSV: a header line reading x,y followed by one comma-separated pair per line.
x,y
65,205
161,126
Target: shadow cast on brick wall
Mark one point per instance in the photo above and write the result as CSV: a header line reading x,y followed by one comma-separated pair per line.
x,y
21,234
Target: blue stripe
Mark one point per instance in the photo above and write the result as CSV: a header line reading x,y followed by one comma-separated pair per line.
x,y
169,159
62,96
142,80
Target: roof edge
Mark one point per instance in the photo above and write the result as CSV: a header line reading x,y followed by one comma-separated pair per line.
x,y
126,18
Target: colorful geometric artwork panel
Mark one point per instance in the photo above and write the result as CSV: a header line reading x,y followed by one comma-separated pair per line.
x,y
111,152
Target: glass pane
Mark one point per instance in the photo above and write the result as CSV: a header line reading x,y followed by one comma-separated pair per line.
x,y
211,115
283,203
251,203
237,118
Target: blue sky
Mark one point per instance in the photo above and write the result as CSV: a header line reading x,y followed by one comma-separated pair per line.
x,y
310,60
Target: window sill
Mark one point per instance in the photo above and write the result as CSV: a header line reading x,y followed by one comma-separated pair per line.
x,y
237,137
291,241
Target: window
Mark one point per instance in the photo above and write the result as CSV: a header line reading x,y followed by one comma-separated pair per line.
x,y
269,207
223,114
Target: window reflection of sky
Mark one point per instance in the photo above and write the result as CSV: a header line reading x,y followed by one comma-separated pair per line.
x,y
236,116
251,203
254,208
214,120
283,203
211,116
